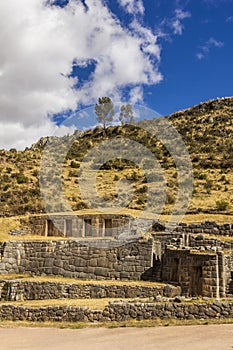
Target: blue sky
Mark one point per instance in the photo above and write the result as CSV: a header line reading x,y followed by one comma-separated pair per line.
x,y
58,57
196,65
196,60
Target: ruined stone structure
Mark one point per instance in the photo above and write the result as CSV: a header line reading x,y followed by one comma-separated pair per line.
x,y
79,259
186,257
208,227
112,225
198,273
88,225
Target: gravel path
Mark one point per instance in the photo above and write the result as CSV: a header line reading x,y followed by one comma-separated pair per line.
x,y
211,337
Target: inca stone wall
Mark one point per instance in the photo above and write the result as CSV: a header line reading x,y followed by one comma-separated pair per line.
x,y
79,259
62,225
229,273
208,227
192,240
105,225
122,311
198,274
34,290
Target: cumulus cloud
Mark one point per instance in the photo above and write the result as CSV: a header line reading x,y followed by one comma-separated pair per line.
x,y
136,95
12,134
132,6
40,44
209,44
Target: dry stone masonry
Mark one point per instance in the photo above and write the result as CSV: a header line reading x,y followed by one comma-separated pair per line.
x,y
77,259
16,290
76,226
208,227
187,262
120,311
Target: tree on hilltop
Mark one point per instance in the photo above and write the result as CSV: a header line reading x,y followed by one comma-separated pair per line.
x,y
104,111
126,114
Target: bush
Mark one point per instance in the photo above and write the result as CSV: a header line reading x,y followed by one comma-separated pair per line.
x,y
21,179
222,205
202,176
74,164
170,198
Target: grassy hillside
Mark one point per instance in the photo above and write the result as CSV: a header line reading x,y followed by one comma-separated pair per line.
x,y
207,130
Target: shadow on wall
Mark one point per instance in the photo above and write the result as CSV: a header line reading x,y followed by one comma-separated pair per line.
x,y
153,273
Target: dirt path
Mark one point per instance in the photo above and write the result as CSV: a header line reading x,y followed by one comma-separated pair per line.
x,y
212,337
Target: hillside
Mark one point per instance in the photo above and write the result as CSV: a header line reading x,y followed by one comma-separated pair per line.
x,y
207,130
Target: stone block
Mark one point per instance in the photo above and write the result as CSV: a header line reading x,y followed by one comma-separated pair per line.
x,y
101,271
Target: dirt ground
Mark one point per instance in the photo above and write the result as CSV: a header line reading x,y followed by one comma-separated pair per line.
x,y
214,337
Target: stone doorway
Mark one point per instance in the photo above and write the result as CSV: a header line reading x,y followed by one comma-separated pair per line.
x,y
196,281
175,274
68,228
87,228
50,228
108,227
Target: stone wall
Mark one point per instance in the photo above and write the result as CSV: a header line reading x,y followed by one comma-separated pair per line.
x,y
79,259
191,240
122,311
229,273
197,273
104,225
208,227
15,290
88,225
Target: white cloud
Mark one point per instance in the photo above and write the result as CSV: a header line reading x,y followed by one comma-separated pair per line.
x,y
176,22
39,44
136,95
132,6
173,25
16,135
209,44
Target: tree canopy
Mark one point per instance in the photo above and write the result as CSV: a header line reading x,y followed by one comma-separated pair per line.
x,y
126,114
104,111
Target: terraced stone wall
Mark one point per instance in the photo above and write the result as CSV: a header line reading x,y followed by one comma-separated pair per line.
x,y
208,227
122,311
96,259
15,290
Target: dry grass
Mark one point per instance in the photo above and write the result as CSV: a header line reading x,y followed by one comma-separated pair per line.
x,y
133,323
13,223
59,279
227,239
93,304
7,224
210,151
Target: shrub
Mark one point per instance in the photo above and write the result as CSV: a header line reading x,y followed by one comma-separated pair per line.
x,y
222,205
21,179
170,198
74,164
202,176
208,185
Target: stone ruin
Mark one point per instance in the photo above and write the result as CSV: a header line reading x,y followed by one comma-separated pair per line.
x,y
98,248
79,226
